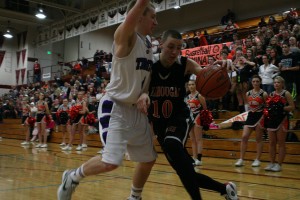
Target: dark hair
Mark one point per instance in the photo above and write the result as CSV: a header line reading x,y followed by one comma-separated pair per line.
x,y
173,33
256,76
268,57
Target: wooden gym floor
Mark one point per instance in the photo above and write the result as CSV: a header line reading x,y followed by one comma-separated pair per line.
x,y
29,173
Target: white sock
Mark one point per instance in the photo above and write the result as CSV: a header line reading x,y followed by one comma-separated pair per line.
x,y
136,192
78,174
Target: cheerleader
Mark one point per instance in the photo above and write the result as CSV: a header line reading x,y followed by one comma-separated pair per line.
x,y
25,115
256,99
196,103
279,105
63,120
77,112
43,110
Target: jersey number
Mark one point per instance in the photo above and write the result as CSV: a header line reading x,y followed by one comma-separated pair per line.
x,y
166,109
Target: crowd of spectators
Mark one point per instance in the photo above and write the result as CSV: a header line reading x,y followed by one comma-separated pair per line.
x,y
272,49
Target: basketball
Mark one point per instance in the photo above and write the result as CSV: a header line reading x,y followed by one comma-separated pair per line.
x,y
213,82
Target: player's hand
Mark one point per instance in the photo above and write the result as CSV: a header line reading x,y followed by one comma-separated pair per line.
x,y
222,63
143,103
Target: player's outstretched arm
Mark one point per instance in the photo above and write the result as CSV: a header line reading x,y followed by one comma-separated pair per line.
x,y
125,34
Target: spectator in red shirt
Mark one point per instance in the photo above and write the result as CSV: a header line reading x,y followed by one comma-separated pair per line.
x,y
37,71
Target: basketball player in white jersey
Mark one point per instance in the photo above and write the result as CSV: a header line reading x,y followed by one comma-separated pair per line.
x,y
124,106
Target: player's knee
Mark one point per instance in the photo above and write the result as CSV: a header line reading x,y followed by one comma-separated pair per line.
x,y
172,147
109,167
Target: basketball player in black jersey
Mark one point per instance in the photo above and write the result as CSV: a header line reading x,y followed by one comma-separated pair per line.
x,y
169,115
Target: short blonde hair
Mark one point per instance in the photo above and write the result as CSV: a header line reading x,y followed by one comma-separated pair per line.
x,y
280,79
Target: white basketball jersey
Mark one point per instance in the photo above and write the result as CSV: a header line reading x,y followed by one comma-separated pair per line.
x,y
130,76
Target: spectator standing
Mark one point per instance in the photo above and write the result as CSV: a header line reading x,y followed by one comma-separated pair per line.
x,y
37,71
196,103
256,99
267,72
288,67
277,123
230,29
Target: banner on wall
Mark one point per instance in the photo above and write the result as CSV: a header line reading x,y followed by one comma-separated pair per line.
x,y
122,7
77,25
112,14
61,31
2,54
23,56
85,23
23,74
200,54
46,75
160,6
17,76
170,4
69,28
103,18
94,18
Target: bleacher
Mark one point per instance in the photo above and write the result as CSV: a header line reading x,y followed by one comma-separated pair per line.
x,y
221,143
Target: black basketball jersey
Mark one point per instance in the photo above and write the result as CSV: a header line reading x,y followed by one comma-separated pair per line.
x,y
167,91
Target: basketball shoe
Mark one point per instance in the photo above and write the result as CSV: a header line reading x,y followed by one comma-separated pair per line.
x,y
231,191
239,163
67,186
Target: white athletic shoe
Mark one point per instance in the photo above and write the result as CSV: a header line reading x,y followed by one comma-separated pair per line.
x,y
79,148
67,148
197,162
269,167
256,163
231,191
25,143
239,163
44,145
33,139
84,146
67,186
39,145
62,144
276,168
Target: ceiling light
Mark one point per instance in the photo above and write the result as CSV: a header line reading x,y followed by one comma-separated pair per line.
x,y
176,7
40,14
8,34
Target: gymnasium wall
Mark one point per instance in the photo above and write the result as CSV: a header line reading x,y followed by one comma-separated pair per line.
x,y
190,17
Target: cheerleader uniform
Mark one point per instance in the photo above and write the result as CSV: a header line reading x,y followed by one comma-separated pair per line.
x,y
278,117
25,113
80,117
63,118
41,111
195,107
256,104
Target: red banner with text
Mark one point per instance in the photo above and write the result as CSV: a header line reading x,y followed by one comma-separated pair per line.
x,y
200,54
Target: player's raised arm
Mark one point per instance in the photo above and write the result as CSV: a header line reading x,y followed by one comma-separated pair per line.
x,y
125,34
